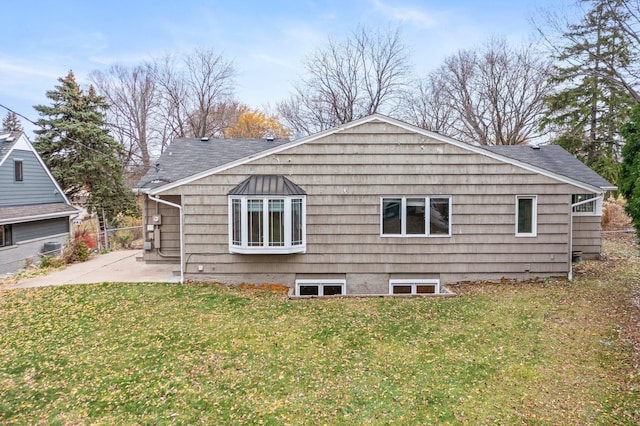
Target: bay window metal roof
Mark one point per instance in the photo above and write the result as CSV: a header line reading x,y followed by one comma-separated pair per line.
x,y
267,185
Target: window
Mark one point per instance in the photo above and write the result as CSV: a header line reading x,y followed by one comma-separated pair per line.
x,y
428,286
5,235
526,216
17,170
267,225
320,287
593,208
416,216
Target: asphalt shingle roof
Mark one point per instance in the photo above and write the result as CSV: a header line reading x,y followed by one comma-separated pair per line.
x,y
187,157
554,159
7,141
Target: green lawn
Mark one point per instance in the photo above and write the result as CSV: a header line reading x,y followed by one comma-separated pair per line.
x,y
548,353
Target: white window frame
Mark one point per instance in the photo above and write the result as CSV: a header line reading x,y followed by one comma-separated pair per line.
x,y
288,247
320,283
596,203
414,284
403,216
534,216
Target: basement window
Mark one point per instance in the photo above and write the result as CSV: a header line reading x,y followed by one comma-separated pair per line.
x,y
320,287
414,287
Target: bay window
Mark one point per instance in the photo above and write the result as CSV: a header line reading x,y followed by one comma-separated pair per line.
x,y
267,216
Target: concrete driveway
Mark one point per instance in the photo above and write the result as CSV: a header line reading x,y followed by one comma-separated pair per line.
x,y
117,266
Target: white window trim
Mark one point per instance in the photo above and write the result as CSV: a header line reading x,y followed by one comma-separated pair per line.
x,y
403,213
414,284
597,208
288,248
321,283
534,225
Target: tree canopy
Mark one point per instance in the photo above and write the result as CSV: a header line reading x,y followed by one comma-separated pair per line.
x,y
348,79
630,169
11,122
591,102
256,124
76,146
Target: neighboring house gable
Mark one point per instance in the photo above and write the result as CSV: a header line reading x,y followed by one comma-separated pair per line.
x,y
388,208
33,207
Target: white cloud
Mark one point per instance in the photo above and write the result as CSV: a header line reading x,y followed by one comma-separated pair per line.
x,y
411,15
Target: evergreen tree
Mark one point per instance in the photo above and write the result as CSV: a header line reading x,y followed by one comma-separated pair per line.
x,y
77,148
11,123
591,105
630,169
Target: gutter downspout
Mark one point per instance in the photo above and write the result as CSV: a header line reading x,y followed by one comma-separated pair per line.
x,y
179,207
570,274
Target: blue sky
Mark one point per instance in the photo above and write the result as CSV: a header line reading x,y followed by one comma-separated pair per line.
x,y
267,40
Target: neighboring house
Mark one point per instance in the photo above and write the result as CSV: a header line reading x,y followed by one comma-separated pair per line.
x,y
33,209
375,206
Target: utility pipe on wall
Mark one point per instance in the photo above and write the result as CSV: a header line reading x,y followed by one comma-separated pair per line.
x,y
179,207
579,203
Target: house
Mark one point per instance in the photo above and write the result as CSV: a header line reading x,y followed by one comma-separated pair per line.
x,y
375,206
34,211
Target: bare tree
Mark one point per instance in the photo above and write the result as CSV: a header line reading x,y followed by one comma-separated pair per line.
x,y
133,114
349,79
490,96
196,91
428,106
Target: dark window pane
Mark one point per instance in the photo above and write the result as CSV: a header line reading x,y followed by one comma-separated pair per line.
x,y
296,222
391,218
276,223
254,219
439,216
586,207
237,220
425,289
18,170
415,216
308,290
401,289
331,290
525,215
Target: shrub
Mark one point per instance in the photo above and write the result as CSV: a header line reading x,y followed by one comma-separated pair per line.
x,y
124,239
614,217
50,262
83,235
76,251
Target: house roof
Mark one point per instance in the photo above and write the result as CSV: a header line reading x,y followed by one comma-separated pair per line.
x,y
267,185
555,159
7,141
205,160
29,213
186,157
